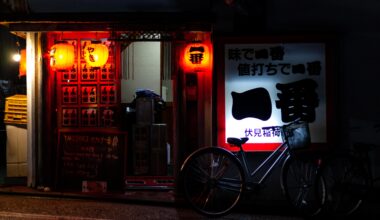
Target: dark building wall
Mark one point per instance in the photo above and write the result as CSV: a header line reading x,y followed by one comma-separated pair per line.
x,y
356,26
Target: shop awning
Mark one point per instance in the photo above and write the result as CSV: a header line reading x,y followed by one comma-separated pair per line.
x,y
131,21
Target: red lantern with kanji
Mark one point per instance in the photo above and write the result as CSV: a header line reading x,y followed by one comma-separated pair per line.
x,y
197,56
22,65
95,54
62,56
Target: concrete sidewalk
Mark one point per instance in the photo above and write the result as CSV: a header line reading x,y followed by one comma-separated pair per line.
x,y
168,197
370,209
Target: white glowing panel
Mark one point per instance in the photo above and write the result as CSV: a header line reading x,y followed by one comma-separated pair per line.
x,y
252,66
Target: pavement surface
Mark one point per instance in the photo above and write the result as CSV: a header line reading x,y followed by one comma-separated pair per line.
x,y
20,202
35,207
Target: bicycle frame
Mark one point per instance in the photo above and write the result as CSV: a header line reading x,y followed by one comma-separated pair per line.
x,y
214,177
251,175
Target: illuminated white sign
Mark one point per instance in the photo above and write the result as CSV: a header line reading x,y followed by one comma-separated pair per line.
x,y
273,84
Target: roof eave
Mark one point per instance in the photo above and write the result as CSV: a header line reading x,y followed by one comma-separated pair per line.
x,y
168,21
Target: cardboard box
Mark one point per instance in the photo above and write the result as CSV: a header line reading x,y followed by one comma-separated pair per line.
x,y
144,110
140,149
158,150
149,151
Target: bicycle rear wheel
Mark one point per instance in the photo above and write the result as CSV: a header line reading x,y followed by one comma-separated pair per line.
x,y
347,183
213,181
303,186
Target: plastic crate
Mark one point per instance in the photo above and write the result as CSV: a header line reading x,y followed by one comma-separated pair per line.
x,y
15,109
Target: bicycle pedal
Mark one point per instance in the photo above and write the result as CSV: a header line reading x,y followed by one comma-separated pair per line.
x,y
252,187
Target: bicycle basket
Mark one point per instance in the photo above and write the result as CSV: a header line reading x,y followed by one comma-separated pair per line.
x,y
298,135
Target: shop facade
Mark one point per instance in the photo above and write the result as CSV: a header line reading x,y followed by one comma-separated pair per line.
x,y
118,124
165,90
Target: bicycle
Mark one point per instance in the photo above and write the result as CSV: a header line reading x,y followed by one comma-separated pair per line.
x,y
348,178
215,178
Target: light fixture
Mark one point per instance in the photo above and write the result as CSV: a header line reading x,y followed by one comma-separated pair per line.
x,y
95,54
16,57
62,55
196,56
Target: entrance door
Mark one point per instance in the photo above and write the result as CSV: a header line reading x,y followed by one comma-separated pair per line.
x,y
147,96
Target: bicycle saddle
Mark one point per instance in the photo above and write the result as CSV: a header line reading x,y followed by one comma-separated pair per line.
x,y
237,141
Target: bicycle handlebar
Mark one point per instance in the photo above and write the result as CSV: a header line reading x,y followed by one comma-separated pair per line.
x,y
271,127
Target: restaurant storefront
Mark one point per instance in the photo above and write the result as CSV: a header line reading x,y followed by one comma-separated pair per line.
x,y
162,91
115,104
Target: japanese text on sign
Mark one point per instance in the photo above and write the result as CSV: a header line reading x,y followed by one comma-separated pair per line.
x,y
272,85
274,54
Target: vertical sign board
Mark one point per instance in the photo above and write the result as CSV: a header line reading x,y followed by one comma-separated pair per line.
x,y
272,84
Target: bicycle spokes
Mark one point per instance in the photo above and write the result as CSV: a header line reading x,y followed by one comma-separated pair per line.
x,y
347,183
303,186
213,182
229,184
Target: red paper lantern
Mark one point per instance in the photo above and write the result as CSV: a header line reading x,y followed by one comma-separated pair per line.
x,y
96,54
197,56
62,56
22,65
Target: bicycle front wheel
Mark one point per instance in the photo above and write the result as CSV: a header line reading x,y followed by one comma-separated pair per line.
x,y
213,181
303,185
347,183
